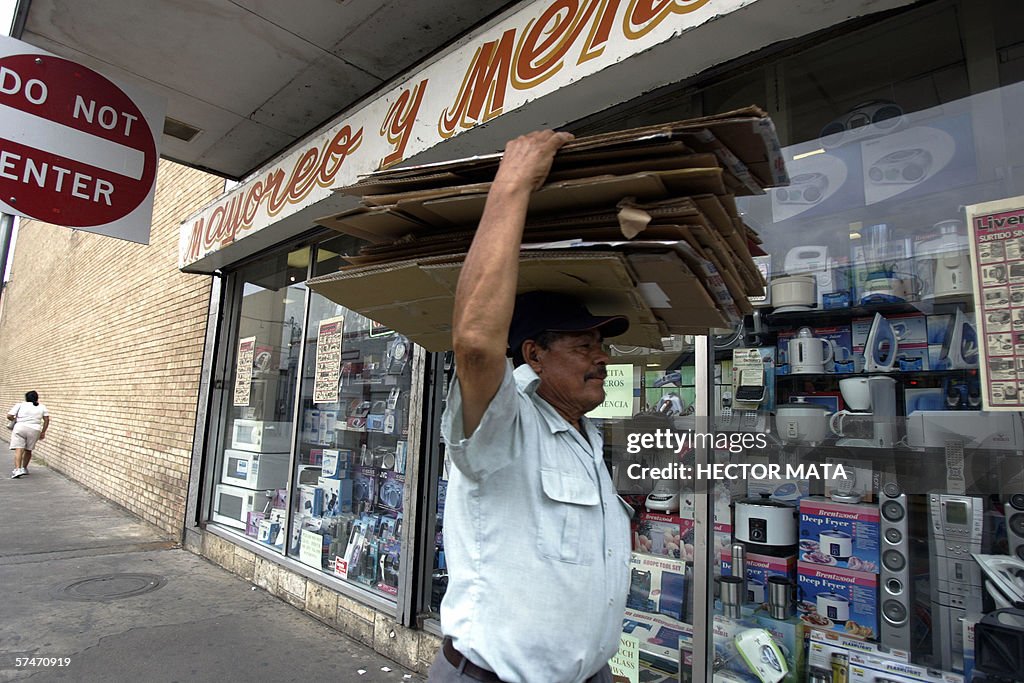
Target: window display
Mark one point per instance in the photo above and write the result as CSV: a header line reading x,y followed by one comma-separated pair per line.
x,y
352,457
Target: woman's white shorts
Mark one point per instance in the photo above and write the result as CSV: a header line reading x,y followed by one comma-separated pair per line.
x,y
25,436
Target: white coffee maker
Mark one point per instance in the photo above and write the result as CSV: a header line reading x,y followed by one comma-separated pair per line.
x,y
872,403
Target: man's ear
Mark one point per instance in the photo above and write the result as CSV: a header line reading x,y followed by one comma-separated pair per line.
x,y
531,354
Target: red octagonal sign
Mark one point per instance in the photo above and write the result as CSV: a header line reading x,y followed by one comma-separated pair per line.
x,y
75,150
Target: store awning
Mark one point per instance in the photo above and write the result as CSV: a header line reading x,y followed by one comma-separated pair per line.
x,y
246,79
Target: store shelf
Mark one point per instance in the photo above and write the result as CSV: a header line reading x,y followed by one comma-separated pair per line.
x,y
822,318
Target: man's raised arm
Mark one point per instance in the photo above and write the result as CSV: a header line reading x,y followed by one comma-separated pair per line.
x,y
485,295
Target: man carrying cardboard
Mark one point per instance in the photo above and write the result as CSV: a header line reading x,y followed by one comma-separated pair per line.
x,y
536,539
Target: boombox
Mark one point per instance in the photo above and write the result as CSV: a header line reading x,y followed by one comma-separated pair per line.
x,y
868,120
806,188
902,167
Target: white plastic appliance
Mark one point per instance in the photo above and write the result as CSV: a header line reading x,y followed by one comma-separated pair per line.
x,y
808,354
232,504
260,436
813,260
762,654
801,421
960,343
873,400
255,470
881,346
794,293
974,428
768,524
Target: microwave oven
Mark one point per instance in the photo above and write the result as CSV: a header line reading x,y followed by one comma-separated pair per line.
x,y
260,436
232,504
255,470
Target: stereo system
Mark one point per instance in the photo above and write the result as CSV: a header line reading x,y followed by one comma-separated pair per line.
x,y
894,574
1015,525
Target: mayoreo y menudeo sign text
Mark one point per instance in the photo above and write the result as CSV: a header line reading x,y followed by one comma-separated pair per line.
x,y
76,149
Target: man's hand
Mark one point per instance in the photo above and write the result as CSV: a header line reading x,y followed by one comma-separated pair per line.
x,y
528,158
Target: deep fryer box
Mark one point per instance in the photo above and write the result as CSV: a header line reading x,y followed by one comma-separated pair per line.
x,y
841,535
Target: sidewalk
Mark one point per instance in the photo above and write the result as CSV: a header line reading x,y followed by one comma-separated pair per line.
x,y
199,623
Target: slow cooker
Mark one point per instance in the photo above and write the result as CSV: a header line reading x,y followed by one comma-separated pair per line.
x,y
794,293
802,422
833,606
838,544
767,526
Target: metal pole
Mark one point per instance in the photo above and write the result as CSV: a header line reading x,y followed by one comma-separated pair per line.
x,y
6,232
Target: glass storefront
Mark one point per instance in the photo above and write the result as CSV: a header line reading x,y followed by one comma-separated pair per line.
x,y
315,447
887,506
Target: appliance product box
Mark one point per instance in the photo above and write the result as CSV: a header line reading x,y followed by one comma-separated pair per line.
x,y
838,600
789,635
364,485
666,535
869,669
759,568
337,495
657,585
660,636
822,645
311,500
839,535
335,464
266,531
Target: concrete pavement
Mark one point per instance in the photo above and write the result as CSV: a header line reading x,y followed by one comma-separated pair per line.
x,y
94,594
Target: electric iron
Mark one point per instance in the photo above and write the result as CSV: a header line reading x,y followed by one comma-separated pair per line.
x,y
960,344
881,346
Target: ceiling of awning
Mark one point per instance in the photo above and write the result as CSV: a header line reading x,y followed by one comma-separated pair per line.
x,y
251,76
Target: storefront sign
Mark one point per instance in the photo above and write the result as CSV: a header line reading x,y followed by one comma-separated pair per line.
x,y
243,370
311,548
75,149
328,360
625,664
543,47
997,264
618,393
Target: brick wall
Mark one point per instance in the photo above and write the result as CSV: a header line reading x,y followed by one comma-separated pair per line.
x,y
111,335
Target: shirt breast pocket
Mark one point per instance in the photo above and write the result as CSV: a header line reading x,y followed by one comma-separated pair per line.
x,y
569,523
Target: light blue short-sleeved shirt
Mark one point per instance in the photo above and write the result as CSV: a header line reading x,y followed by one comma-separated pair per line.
x,y
536,540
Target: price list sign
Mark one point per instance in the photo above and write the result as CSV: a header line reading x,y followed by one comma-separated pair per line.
x,y
328,360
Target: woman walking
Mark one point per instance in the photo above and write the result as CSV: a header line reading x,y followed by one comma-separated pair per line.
x,y
31,419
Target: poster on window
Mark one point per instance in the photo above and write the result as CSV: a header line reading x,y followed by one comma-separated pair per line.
x,y
243,370
618,393
996,345
328,360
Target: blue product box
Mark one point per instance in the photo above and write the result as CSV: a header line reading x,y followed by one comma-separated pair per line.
x,y
840,535
838,600
337,495
364,485
335,463
841,338
266,531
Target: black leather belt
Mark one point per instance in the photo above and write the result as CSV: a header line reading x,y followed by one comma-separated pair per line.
x,y
466,667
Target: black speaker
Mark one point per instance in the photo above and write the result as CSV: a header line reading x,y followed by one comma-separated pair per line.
x,y
894,573
1014,511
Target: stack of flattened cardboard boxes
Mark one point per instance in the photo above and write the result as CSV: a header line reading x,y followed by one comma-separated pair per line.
x,y
641,223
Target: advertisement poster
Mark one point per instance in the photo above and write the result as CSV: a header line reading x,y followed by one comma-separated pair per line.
x,y
997,263
618,393
243,370
311,548
328,360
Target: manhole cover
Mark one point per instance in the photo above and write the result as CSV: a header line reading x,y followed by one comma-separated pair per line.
x,y
112,587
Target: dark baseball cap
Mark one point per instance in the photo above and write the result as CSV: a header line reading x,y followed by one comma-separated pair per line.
x,y
541,311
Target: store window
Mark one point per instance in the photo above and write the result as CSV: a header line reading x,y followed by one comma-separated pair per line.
x,y
254,453
315,454
890,345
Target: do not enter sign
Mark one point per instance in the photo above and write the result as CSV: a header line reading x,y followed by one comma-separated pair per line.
x,y
75,149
